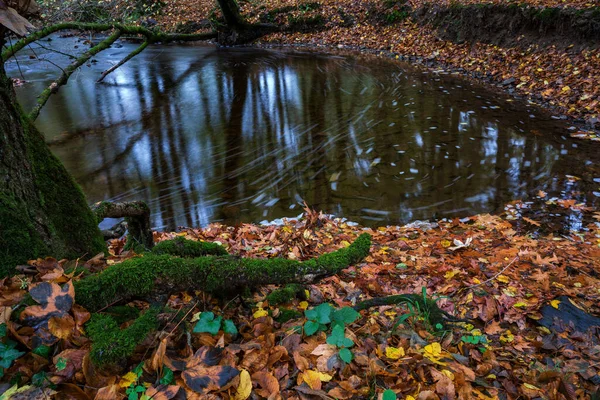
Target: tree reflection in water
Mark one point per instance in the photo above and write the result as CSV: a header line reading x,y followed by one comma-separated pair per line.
x,y
206,135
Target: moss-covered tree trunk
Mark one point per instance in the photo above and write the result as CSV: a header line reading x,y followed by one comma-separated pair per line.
x,y
42,210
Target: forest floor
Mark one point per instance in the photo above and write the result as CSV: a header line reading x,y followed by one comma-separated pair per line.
x,y
536,54
506,276
501,274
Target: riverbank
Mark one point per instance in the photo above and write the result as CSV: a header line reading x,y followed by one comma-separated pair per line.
x,y
496,272
548,55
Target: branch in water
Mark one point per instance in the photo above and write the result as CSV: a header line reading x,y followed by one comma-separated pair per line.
x,y
67,72
123,61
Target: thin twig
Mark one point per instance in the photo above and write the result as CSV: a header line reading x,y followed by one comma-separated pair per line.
x,y
182,319
495,276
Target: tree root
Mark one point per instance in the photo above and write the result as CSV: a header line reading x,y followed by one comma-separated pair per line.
x,y
427,307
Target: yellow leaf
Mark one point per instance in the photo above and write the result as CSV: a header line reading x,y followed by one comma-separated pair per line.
x,y
520,304
544,330
261,312
448,373
314,378
450,274
128,379
307,293
394,353
507,337
196,317
409,397
245,387
503,279
555,303
433,350
345,243
446,243
530,386
303,305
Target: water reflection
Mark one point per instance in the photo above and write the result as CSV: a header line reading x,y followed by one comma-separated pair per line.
x,y
206,135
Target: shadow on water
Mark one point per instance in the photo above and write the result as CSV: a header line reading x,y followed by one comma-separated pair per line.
x,y
205,134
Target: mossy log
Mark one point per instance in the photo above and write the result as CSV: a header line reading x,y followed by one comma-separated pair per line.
x,y
111,346
155,276
167,270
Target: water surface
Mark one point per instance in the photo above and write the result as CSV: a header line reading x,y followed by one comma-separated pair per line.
x,y
243,135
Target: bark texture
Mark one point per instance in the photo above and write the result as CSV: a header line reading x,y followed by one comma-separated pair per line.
x,y
42,210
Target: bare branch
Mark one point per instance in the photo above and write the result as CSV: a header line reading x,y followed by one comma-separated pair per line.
x,y
123,61
64,77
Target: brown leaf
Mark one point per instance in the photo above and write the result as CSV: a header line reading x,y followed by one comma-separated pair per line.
x,y
53,300
92,377
301,362
110,392
162,392
203,379
207,356
158,358
11,19
73,359
61,327
268,383
70,391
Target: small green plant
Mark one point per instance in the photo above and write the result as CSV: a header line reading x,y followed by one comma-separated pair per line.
x,y
339,339
325,314
419,309
136,389
389,394
395,16
8,351
210,324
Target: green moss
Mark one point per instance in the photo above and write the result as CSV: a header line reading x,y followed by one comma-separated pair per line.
x,y
75,228
286,294
112,345
49,215
188,248
122,314
19,241
219,275
286,315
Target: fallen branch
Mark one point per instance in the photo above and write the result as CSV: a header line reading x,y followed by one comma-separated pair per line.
x,y
428,307
67,72
151,36
137,217
123,61
156,276
152,277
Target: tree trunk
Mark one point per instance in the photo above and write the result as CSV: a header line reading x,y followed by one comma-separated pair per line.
x,y
236,29
42,210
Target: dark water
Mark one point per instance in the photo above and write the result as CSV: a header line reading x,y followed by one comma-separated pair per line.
x,y
207,135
